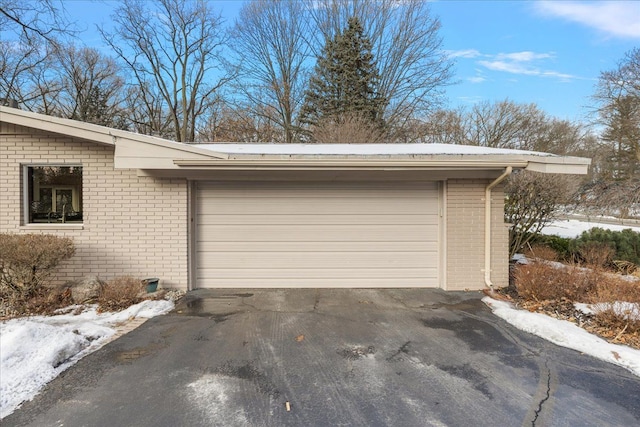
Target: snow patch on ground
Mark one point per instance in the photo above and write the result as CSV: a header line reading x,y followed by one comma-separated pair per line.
x,y
624,309
34,350
210,393
570,228
566,334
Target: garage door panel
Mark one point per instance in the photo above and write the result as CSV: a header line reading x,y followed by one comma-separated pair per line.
x,y
380,282
327,235
313,219
309,206
294,273
330,191
208,248
322,233
302,260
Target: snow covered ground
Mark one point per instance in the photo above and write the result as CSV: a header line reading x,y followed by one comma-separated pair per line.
x,y
573,228
34,350
566,334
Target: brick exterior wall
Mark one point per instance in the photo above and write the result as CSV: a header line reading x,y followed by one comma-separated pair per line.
x,y
465,235
131,225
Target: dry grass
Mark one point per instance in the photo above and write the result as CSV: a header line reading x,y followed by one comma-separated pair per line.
x,y
597,254
120,293
43,301
542,252
553,289
540,281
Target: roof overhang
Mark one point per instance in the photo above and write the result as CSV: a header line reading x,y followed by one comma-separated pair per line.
x,y
562,165
148,153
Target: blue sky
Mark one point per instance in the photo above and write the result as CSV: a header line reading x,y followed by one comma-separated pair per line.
x,y
545,52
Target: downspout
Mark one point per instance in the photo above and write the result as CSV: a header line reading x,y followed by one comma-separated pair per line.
x,y
487,225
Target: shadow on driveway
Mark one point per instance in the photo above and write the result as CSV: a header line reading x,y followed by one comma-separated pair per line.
x,y
406,357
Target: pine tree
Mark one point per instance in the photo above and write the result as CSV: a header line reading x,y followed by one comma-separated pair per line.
x,y
344,81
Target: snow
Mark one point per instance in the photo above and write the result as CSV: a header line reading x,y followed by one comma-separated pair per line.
x,y
34,350
566,334
571,228
624,309
362,149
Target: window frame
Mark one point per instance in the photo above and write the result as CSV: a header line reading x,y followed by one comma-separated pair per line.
x,y
26,202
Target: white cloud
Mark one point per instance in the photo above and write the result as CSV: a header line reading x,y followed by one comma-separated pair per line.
x,y
509,67
616,18
526,62
476,79
523,63
466,53
470,99
524,56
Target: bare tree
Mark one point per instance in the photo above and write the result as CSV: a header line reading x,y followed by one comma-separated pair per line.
x,y
91,86
618,97
145,111
35,19
503,124
616,186
442,127
412,65
173,50
270,43
235,125
532,201
18,61
349,127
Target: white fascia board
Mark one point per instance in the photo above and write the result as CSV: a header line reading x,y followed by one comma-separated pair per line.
x,y
71,128
545,164
106,135
136,154
346,164
560,165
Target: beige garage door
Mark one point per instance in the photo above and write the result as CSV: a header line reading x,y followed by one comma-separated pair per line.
x,y
317,235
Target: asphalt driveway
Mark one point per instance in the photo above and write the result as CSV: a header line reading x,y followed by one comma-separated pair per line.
x,y
339,358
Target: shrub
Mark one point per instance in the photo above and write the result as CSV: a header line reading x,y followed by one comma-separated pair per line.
x,y
626,243
541,281
597,254
616,320
120,293
561,245
542,252
27,262
615,288
45,301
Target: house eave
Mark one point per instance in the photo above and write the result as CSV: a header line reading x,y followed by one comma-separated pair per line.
x,y
544,164
339,164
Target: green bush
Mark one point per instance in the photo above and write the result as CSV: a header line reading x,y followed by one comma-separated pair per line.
x,y
626,243
27,262
562,245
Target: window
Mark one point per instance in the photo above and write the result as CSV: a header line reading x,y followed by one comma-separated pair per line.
x,y
54,194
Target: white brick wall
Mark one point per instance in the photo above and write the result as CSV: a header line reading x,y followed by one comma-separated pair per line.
x,y
465,235
132,225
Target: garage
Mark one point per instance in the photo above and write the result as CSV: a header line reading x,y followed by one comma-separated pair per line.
x,y
317,234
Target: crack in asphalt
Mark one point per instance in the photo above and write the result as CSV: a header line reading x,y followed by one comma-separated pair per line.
x,y
546,397
315,305
403,349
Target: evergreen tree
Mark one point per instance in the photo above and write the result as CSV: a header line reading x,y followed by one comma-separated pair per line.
x,y
344,81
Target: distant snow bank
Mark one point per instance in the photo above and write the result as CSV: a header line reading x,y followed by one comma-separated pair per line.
x,y
571,228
